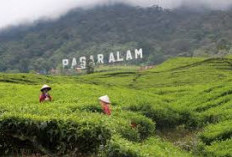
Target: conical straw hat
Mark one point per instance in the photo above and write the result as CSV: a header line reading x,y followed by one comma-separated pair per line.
x,y
45,87
105,99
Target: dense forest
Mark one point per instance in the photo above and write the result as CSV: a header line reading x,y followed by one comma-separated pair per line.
x,y
161,33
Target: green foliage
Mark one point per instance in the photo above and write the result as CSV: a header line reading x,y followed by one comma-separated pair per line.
x,y
164,116
219,149
191,93
52,135
151,147
144,127
220,131
116,28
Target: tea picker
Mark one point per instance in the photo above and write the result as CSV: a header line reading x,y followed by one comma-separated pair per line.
x,y
105,104
45,96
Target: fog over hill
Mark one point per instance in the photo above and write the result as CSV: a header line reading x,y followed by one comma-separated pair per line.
x,y
162,33
14,12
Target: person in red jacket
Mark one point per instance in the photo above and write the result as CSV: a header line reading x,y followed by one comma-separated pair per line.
x,y
105,104
45,95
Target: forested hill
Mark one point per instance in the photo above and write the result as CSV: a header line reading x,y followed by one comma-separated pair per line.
x,y
161,33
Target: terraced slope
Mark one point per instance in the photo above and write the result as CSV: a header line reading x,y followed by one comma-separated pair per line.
x,y
189,93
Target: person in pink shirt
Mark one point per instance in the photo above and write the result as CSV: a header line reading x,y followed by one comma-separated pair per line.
x,y
105,104
45,96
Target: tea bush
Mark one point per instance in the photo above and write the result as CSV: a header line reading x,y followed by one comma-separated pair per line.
x,y
164,116
53,135
216,132
219,149
194,93
151,147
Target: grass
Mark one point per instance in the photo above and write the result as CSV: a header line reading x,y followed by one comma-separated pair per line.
x,y
117,68
187,96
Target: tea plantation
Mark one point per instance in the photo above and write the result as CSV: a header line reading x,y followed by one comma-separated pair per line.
x,y
181,108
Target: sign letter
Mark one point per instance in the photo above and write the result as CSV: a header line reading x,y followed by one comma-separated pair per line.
x,y
65,62
74,63
100,58
92,59
128,55
111,58
138,53
118,57
83,62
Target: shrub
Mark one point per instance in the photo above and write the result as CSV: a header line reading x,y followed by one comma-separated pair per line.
x,y
219,149
165,117
119,147
53,135
214,132
121,123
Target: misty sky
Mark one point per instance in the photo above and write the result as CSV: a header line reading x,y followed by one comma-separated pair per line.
x,y
13,12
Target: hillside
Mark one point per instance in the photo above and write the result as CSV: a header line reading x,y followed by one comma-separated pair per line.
x,y
161,33
181,107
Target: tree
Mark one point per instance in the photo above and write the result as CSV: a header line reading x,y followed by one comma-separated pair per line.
x,y
89,66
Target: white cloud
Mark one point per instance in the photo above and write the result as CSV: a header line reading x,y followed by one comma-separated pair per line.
x,y
211,4
13,12
20,11
163,3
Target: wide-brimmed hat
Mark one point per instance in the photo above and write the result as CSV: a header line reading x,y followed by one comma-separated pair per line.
x,y
45,87
105,99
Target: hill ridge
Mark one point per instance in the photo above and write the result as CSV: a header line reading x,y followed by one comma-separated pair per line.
x,y
161,33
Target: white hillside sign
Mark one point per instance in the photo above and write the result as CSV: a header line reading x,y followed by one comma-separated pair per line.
x,y
103,59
